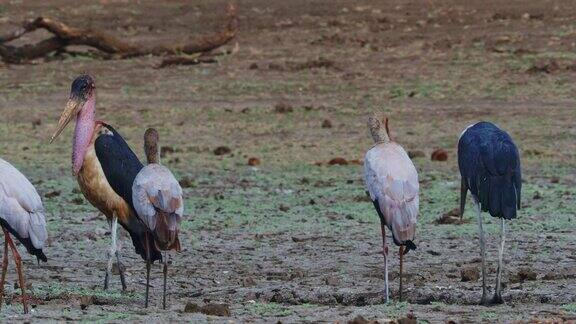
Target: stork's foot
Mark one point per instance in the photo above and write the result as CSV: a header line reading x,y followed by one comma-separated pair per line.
x,y
485,301
497,299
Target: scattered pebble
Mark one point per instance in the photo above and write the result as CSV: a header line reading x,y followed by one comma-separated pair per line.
x,y
415,154
52,194
439,155
326,123
221,150
338,161
253,161
469,274
186,182
283,107
284,208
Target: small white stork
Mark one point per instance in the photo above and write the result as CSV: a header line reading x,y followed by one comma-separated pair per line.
x,y
392,183
490,168
157,198
21,215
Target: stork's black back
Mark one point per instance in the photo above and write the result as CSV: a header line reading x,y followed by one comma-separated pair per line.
x,y
121,166
490,168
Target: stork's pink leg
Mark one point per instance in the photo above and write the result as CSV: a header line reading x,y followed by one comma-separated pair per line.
x,y
4,268
385,253
147,268
18,262
401,263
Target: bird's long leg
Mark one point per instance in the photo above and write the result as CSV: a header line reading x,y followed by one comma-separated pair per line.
x,y
484,299
111,252
497,299
4,267
18,262
401,264
147,268
120,267
385,253
165,275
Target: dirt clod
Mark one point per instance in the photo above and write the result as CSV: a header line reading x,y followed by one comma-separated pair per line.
x,y
469,274
284,208
524,274
52,194
215,310
186,182
439,155
338,161
222,150
283,108
415,154
253,161
451,217
326,123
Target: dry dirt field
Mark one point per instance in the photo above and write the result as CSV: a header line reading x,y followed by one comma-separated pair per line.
x,y
293,239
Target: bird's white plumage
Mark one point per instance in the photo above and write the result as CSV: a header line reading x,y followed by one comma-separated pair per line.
x,y
392,180
155,188
21,206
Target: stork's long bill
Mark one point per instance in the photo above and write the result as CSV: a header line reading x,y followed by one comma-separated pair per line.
x,y
80,104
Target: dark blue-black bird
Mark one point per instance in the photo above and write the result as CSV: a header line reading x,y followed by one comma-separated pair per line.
x,y
490,169
105,168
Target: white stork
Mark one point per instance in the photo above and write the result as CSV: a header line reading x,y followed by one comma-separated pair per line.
x,y
21,215
157,198
490,168
392,183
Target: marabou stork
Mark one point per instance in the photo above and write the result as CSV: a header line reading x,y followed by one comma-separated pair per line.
x,y
490,168
22,215
105,168
392,183
157,198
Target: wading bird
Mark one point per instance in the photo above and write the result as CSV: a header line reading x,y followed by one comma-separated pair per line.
x,y
490,168
392,183
21,215
157,198
105,168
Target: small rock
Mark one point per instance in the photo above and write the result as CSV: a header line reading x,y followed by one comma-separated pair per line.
x,y
86,301
332,281
186,182
451,217
248,282
253,161
77,201
524,274
36,122
537,196
253,66
191,308
469,274
338,161
52,194
326,123
221,150
215,310
284,208
439,155
554,180
415,154
283,108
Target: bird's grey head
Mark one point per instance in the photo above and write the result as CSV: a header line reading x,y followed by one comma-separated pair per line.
x,y
378,126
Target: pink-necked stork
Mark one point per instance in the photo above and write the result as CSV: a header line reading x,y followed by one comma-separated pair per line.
x,y
105,168
490,168
21,215
157,198
392,183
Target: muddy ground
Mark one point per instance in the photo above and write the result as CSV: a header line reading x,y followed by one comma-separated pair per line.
x,y
293,239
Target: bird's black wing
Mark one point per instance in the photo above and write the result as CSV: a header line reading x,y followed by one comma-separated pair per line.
x,y
121,166
490,167
118,161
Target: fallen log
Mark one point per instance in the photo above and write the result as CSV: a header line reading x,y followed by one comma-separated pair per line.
x,y
65,35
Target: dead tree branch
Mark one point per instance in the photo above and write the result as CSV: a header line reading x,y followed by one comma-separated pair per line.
x,y
65,35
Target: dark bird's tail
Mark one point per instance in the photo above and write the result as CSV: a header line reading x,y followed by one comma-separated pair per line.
x,y
138,234
409,245
498,195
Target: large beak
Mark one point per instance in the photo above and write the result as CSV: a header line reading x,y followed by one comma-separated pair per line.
x,y
73,105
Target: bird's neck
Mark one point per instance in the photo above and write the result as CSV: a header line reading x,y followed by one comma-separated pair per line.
x,y
152,154
83,132
379,135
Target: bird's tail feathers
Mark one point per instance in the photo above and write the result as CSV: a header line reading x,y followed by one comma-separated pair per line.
x,y
497,195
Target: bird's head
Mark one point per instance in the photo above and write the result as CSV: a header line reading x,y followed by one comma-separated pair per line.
x,y
378,126
81,92
151,138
